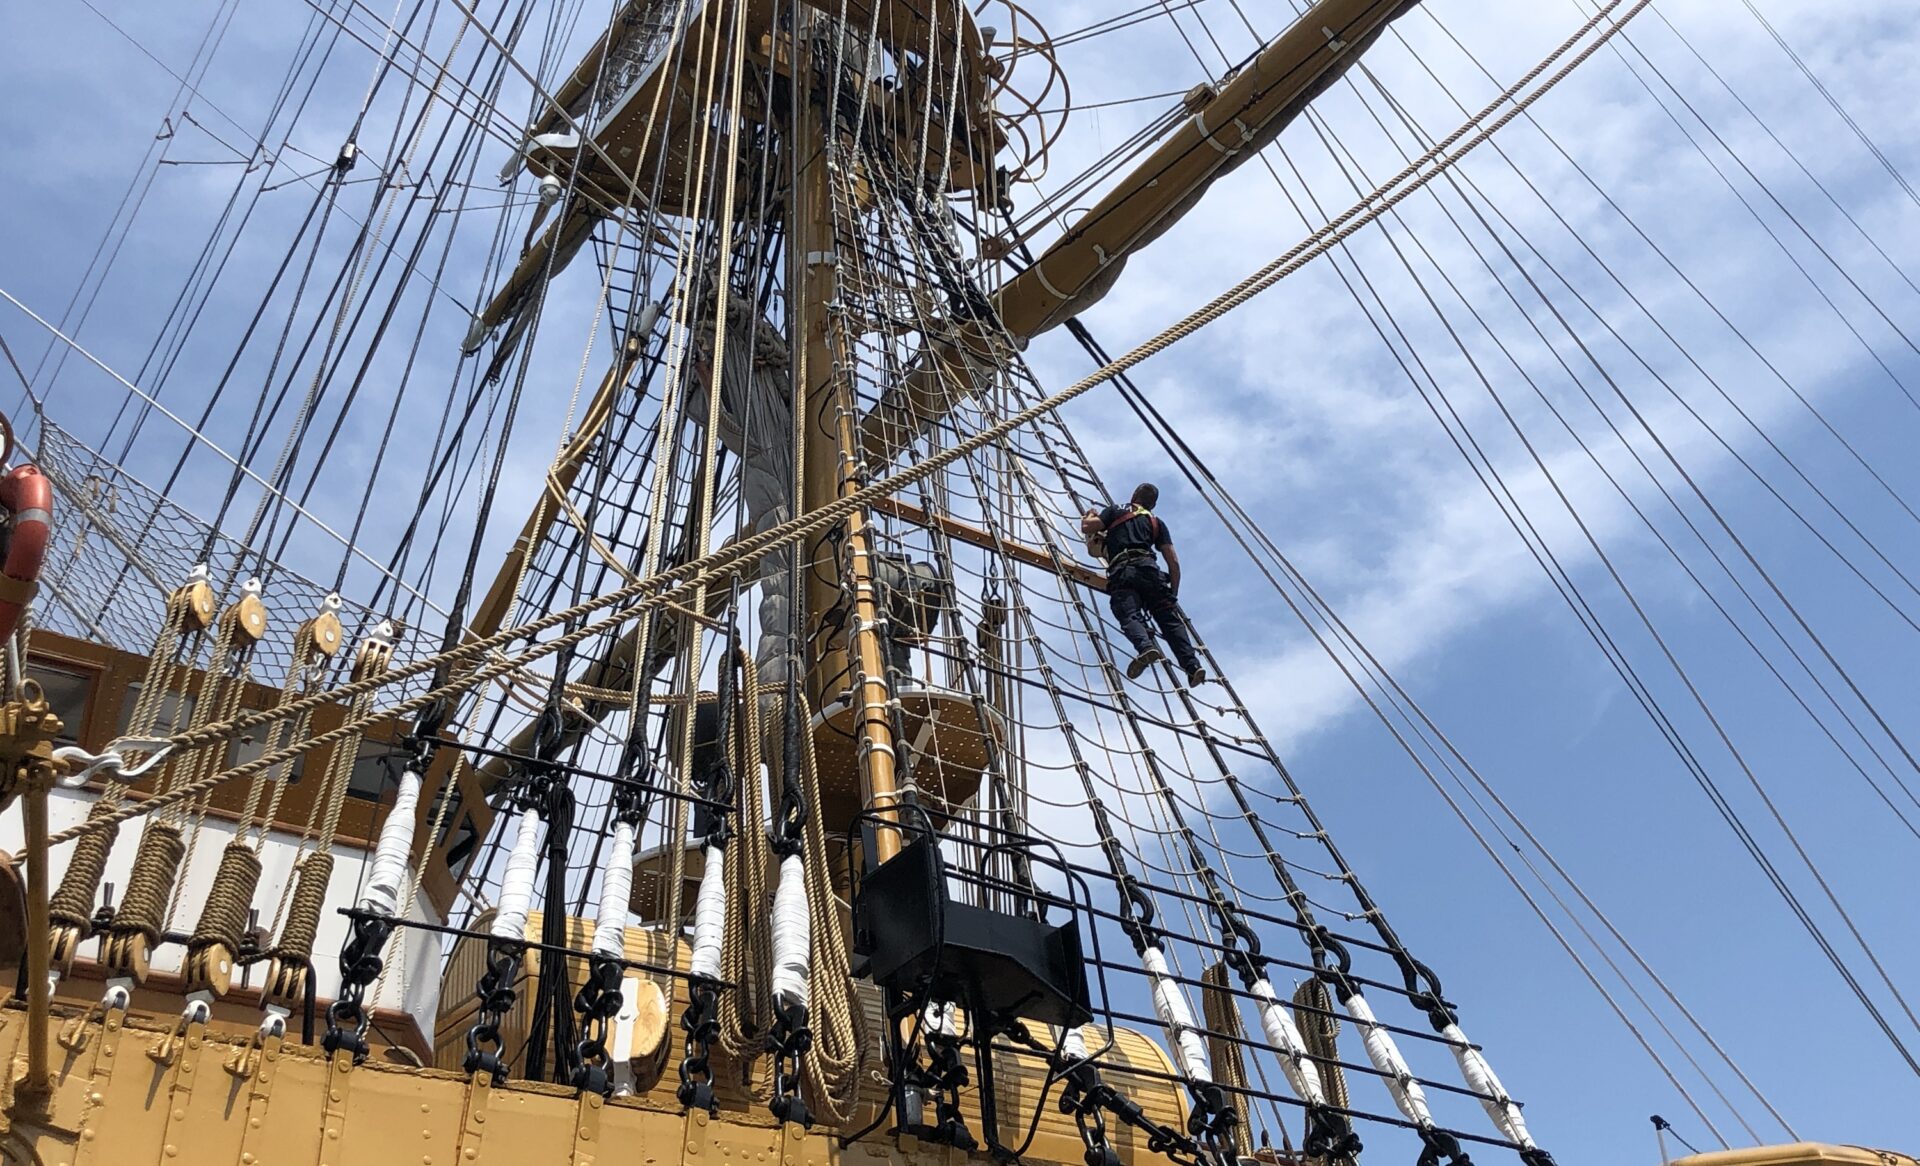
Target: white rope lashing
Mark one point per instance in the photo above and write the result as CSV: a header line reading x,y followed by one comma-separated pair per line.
x,y
792,936
1171,1005
1385,1055
710,915
1073,1044
938,1018
516,886
1493,1095
389,871
616,895
1284,1035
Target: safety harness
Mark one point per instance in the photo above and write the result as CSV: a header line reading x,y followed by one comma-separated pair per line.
x,y
1132,555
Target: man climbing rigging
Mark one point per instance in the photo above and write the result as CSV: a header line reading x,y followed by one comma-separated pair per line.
x,y
1127,537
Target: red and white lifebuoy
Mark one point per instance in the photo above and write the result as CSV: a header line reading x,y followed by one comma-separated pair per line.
x,y
27,497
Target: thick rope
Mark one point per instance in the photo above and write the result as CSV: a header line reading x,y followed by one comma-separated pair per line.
x,y
832,1066
687,579
143,908
747,959
72,902
1224,1035
1319,1028
304,908
228,671
224,919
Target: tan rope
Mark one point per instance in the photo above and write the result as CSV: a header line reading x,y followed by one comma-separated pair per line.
x,y
655,588
267,787
832,1068
228,672
143,908
1319,1028
72,902
723,284
304,907
1224,1036
224,919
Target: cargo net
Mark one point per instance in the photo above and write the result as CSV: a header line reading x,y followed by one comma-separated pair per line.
x,y
119,548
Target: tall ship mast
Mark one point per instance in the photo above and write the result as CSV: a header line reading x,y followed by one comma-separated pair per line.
x,y
623,674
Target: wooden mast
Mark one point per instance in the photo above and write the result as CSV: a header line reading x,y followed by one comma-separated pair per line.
x,y
843,647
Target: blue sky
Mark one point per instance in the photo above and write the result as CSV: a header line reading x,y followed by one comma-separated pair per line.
x,y
1303,411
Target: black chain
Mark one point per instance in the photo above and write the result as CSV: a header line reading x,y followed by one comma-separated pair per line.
x,y
486,1048
348,1017
701,1021
599,999
1086,1095
597,1002
788,1042
943,1076
1437,1143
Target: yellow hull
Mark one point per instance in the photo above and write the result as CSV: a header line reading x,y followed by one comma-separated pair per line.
x,y
136,1090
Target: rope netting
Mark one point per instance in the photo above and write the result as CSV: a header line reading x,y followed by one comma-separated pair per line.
x,y
119,548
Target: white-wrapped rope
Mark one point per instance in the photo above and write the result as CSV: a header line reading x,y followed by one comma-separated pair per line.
x,y
710,915
938,1017
387,877
616,895
1494,1097
792,936
1171,1005
1385,1055
1284,1035
1073,1043
516,886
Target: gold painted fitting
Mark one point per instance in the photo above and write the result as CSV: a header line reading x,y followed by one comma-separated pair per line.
x,y
28,729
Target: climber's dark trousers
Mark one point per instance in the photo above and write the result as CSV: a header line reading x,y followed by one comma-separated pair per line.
x,y
1139,590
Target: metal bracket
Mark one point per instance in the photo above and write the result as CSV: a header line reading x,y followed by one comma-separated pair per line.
x,y
186,1069
473,1123
793,1144
333,1120
266,1070
696,1135
586,1130
112,1031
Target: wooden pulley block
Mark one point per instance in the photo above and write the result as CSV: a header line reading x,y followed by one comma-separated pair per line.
x,y
64,947
200,604
323,632
248,618
376,652
210,969
649,1051
286,983
127,954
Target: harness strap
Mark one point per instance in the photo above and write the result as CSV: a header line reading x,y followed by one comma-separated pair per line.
x,y
1134,511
